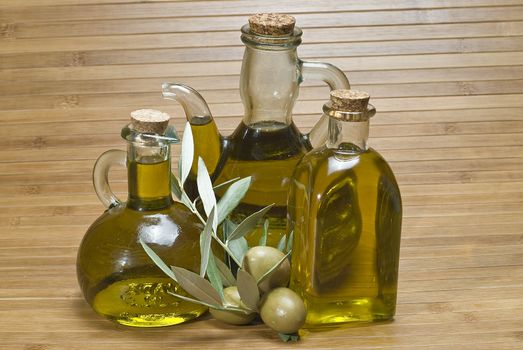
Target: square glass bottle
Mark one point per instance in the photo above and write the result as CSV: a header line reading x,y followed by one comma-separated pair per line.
x,y
345,210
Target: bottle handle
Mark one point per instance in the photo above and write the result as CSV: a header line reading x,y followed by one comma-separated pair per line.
x,y
101,176
332,76
326,72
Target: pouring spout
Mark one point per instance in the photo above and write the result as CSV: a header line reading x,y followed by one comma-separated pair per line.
x,y
207,141
196,110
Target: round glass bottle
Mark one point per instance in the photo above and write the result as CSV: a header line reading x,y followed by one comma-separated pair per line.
x,y
115,274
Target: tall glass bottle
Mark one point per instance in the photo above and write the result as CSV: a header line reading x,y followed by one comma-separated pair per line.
x,y
116,276
345,210
267,144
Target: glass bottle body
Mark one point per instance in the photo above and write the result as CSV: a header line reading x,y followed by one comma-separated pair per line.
x,y
115,274
267,154
345,211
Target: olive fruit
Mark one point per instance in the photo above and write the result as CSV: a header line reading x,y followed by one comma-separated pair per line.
x,y
258,260
283,311
232,298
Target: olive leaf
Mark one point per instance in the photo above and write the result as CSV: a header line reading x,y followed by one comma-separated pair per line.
x,y
248,224
281,244
180,167
205,190
289,242
232,197
171,135
265,232
197,286
238,248
228,228
248,289
273,268
217,187
289,337
187,155
223,184
214,275
205,243
187,201
196,301
225,273
219,307
176,188
156,259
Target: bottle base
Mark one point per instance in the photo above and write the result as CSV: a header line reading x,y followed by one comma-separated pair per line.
x,y
145,302
152,320
337,321
337,313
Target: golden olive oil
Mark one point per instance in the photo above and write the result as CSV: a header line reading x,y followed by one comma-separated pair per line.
x,y
148,180
208,146
144,302
345,210
117,277
268,152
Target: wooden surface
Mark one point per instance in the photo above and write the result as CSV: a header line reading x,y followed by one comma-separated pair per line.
x,y
446,78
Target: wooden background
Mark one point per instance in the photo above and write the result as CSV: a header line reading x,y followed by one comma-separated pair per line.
x,y
446,77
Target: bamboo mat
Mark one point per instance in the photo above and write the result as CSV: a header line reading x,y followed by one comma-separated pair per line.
x,y
446,78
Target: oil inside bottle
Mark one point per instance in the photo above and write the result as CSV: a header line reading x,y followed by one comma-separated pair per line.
x,y
268,152
349,206
144,302
148,180
208,146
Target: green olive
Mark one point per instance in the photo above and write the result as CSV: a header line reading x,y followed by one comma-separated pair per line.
x,y
232,298
283,311
258,260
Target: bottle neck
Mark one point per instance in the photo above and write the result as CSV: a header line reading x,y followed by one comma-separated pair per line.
x,y
348,136
269,84
149,176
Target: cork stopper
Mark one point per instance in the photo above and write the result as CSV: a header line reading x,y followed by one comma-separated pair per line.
x,y
350,100
275,24
149,121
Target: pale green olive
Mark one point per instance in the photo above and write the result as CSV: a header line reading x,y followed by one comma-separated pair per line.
x,y
232,298
258,260
283,311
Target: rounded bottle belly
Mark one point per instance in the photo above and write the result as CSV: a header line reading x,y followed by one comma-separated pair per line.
x,y
122,283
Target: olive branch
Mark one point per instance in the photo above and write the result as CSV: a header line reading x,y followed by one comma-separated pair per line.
x,y
210,292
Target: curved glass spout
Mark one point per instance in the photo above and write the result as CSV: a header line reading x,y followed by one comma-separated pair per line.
x,y
192,102
207,139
